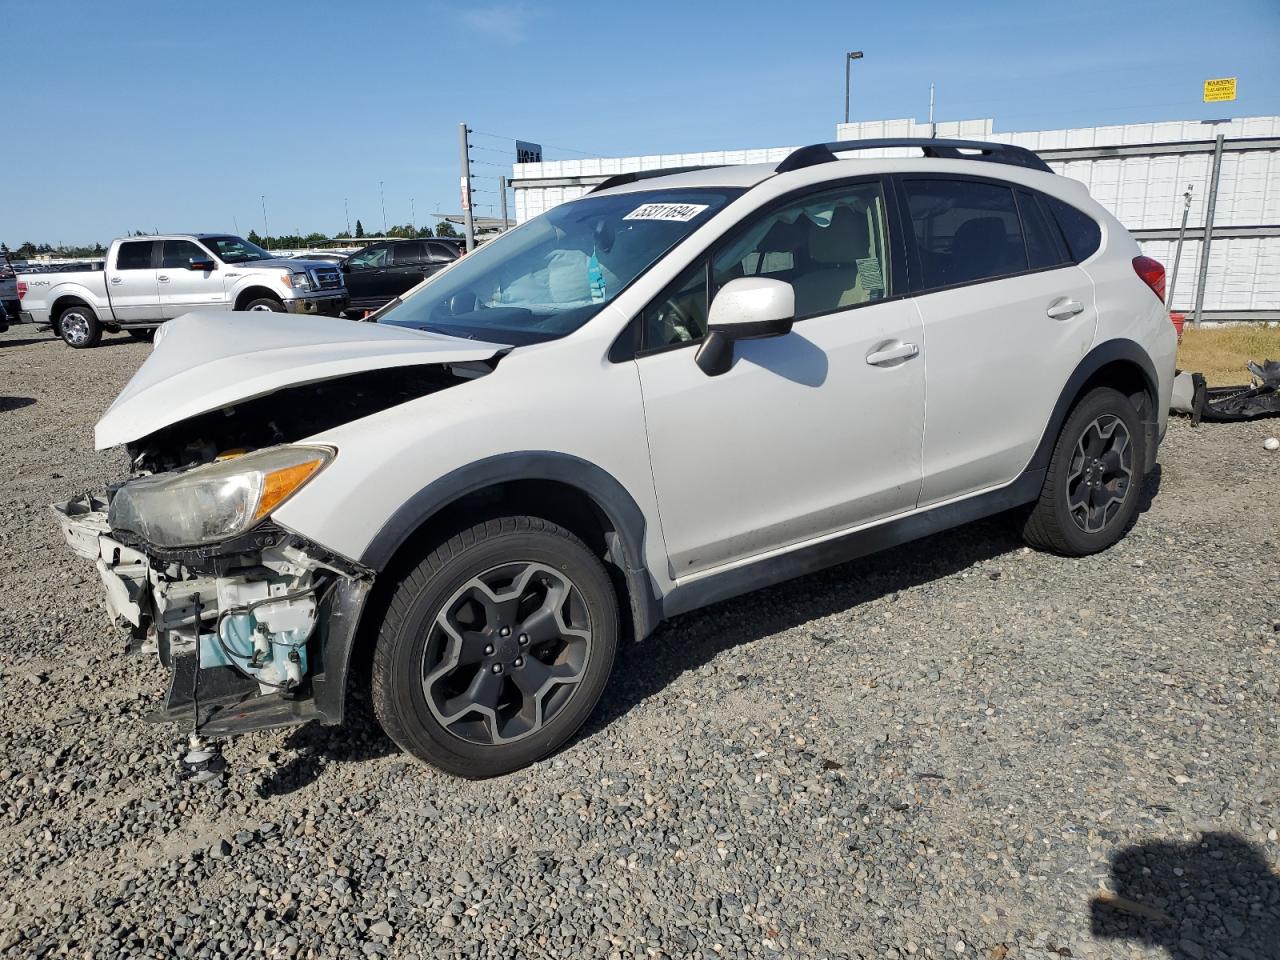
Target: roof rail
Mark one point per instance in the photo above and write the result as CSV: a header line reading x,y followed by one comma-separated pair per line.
x,y
939,147
618,179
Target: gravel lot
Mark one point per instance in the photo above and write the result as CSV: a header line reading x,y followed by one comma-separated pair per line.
x,y
960,747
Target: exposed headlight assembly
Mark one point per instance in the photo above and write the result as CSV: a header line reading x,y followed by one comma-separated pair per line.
x,y
300,281
216,501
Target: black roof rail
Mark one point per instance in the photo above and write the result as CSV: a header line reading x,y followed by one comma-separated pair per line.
x,y
939,147
618,179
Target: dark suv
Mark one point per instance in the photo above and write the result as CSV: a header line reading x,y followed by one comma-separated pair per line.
x,y
382,271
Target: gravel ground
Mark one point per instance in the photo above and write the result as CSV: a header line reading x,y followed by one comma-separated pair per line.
x,y
959,747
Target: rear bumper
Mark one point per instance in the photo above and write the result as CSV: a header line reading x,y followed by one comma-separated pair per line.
x,y
319,306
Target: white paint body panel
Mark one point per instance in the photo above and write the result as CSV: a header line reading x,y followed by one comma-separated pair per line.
x,y
206,361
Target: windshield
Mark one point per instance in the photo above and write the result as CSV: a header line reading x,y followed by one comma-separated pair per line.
x,y
235,249
548,277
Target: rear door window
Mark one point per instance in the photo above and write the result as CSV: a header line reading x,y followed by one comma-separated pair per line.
x,y
442,252
134,255
965,231
1082,233
1044,243
412,251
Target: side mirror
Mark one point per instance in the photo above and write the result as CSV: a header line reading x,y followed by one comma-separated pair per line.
x,y
344,267
749,308
203,264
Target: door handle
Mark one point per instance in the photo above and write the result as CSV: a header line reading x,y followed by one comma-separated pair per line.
x,y
888,353
117,279
1064,309
163,279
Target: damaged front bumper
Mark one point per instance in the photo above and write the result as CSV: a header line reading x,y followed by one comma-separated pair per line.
x,y
256,632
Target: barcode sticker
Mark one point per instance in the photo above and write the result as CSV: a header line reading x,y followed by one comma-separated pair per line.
x,y
674,212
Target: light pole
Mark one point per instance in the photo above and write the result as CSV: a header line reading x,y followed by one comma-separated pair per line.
x,y
849,57
413,216
383,200
265,229
346,208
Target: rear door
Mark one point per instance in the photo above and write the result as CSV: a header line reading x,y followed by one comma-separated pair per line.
x,y
1007,316
133,282
410,262
183,289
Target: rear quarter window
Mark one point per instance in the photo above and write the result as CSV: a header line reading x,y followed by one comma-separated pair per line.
x,y
1081,231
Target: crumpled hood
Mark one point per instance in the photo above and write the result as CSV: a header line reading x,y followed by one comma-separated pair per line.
x,y
206,361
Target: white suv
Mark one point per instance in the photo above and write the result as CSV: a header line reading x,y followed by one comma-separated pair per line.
x,y
669,392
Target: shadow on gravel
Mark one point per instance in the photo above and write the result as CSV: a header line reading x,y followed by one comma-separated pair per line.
x,y
316,747
687,642
1215,897
15,403
27,342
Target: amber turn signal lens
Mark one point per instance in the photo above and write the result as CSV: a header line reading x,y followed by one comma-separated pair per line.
x,y
279,484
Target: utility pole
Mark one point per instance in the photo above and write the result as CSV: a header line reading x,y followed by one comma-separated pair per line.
x,y
849,57
265,228
413,216
464,157
346,208
383,200
502,192
1182,233
933,127
1208,229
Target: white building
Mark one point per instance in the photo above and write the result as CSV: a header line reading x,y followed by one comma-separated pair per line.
x,y
1139,171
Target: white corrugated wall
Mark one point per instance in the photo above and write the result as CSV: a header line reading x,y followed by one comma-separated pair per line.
x,y
1143,192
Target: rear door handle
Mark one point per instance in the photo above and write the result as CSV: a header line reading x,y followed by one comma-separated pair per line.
x,y
891,352
163,279
117,279
1064,308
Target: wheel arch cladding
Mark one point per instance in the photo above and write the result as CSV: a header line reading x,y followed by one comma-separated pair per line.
x,y
571,492
1122,365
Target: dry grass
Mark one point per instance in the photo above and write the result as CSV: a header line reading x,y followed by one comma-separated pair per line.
x,y
1220,352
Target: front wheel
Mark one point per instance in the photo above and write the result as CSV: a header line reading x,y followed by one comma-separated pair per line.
x,y
79,327
496,647
265,304
1094,480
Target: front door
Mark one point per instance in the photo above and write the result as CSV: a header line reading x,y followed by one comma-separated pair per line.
x,y
133,285
1007,316
183,289
809,433
366,275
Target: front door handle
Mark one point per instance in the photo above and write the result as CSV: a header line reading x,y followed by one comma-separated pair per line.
x,y
117,279
1064,308
890,352
163,279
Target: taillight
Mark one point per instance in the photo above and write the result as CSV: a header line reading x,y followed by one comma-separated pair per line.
x,y
1151,273
22,289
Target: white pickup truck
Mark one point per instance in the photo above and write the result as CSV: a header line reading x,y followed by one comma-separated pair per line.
x,y
145,281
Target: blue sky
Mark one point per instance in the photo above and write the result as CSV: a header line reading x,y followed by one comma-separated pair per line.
x,y
129,115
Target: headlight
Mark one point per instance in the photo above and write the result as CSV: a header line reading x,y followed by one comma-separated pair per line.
x,y
216,501
300,281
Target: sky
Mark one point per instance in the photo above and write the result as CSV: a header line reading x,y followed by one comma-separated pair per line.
x,y
130,116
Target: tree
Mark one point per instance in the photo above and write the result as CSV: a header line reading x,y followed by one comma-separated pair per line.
x,y
445,229
254,238
424,232
359,229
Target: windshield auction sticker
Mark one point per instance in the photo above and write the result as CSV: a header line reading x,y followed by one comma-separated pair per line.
x,y
674,212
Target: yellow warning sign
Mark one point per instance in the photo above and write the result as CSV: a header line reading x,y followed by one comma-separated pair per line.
x,y
1224,88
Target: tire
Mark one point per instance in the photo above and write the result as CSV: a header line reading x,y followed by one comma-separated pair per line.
x,y
1094,481
147,334
78,326
265,303
431,687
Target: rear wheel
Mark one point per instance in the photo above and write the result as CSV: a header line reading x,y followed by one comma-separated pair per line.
x,y
79,327
1094,480
265,304
142,334
495,648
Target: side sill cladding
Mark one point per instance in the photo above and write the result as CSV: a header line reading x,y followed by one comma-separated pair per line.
x,y
609,496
